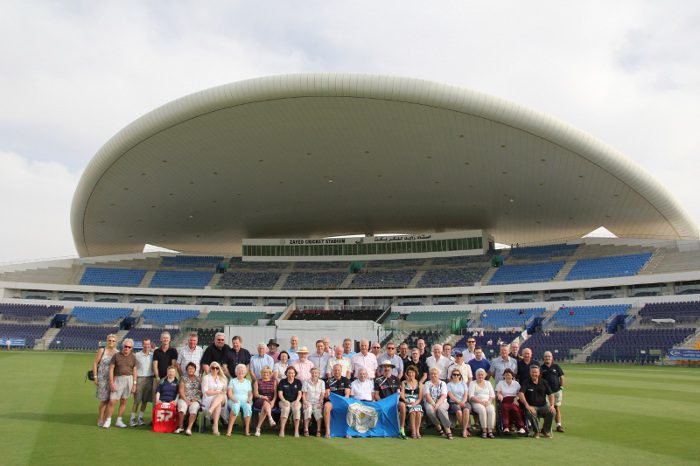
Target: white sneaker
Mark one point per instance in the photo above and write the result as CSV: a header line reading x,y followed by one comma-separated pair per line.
x,y
178,430
120,423
521,431
257,432
188,432
106,424
141,423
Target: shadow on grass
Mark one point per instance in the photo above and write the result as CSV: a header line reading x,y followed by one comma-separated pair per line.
x,y
78,419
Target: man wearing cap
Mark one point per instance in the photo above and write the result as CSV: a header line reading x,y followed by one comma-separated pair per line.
x,y
386,385
462,367
364,359
439,361
395,359
302,365
342,361
272,346
320,358
260,360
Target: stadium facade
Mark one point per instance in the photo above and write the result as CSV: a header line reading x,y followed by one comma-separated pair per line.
x,y
249,180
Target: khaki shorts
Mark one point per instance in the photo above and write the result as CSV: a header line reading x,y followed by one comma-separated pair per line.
x,y
123,384
182,407
558,396
144,390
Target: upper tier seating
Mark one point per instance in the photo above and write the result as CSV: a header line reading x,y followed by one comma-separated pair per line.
x,y
383,279
237,263
603,267
436,316
29,332
559,343
394,263
526,273
180,279
102,276
461,260
586,316
627,345
27,312
168,316
321,265
314,280
688,312
153,334
497,318
249,280
81,338
191,261
367,313
100,315
235,317
461,276
543,252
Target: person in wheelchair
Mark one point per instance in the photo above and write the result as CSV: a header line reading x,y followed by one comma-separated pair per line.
x,y
509,407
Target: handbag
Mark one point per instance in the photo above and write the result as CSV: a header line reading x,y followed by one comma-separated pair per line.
x,y
90,374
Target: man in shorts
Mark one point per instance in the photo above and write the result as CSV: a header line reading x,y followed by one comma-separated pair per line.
x,y
122,381
554,375
144,383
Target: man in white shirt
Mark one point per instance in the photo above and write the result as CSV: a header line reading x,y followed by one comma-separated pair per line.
x,y
320,358
471,347
362,388
439,361
344,363
144,383
364,360
189,353
462,367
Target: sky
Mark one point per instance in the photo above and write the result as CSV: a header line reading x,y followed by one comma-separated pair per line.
x,y
72,74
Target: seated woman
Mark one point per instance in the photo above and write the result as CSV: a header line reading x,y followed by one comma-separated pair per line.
x,y
458,398
289,395
265,396
167,389
507,393
412,396
214,394
279,371
190,398
435,403
240,398
481,396
312,396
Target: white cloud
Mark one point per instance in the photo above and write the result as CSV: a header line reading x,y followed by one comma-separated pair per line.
x,y
36,208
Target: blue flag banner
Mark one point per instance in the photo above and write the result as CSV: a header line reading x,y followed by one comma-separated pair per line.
x,y
684,354
363,418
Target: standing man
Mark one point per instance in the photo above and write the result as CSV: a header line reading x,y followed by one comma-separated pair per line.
x,y
327,347
190,353
122,381
515,350
447,351
292,351
533,395
502,362
439,361
523,372
386,385
215,352
376,350
364,360
320,358
234,356
302,365
144,383
272,346
479,361
394,358
163,357
469,352
422,367
404,354
339,360
260,360
554,376
420,344
347,348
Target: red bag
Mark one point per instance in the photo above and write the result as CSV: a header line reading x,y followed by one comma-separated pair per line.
x,y
165,418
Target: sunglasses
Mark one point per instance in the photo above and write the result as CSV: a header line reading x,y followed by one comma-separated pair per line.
x,y
215,368
126,347
456,375
471,341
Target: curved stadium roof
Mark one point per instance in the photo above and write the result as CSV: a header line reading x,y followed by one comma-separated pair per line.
x,y
311,155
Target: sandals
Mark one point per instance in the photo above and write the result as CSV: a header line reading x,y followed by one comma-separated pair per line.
x,y
491,435
306,433
484,435
449,436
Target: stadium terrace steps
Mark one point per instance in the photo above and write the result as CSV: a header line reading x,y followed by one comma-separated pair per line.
x,y
46,339
582,357
640,345
281,281
564,271
57,275
416,278
147,279
675,261
489,274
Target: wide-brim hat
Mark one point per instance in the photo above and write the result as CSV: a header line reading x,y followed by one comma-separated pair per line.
x,y
388,363
273,342
303,349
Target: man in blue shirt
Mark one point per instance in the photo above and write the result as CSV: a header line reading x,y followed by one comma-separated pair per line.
x,y
479,361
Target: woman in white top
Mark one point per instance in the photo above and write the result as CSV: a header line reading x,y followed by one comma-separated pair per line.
x,y
481,396
312,398
507,393
435,404
214,394
100,369
279,371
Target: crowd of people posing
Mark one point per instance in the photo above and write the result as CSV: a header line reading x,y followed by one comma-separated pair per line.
x,y
228,381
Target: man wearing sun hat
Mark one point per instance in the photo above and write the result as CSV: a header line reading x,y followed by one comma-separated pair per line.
x,y
272,346
302,365
386,385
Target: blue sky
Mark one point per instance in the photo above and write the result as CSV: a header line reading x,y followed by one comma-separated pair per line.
x,y
75,73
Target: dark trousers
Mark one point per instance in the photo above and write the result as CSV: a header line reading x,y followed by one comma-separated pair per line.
x,y
534,419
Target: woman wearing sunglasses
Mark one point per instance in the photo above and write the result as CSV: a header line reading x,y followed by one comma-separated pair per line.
x,y
214,394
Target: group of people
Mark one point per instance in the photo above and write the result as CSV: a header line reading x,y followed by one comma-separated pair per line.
x,y
228,381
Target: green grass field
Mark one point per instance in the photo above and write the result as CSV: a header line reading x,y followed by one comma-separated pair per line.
x,y
612,415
